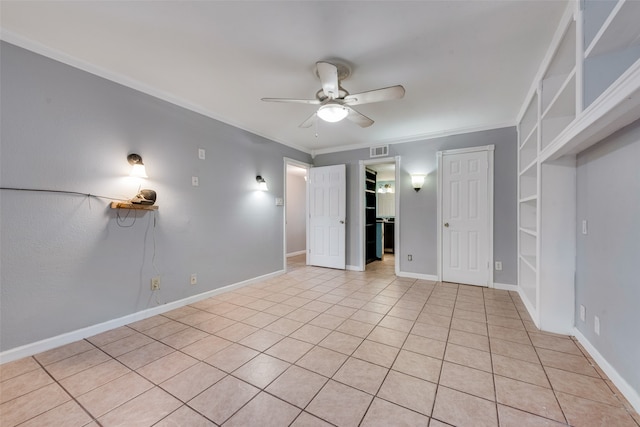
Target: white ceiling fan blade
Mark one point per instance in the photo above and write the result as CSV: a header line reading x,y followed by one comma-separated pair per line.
x,y
328,74
359,118
378,95
309,122
292,100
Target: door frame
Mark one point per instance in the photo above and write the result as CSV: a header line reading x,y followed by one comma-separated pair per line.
x,y
288,161
490,151
396,225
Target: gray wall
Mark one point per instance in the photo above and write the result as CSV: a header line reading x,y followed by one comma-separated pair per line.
x,y
608,188
67,262
418,211
296,209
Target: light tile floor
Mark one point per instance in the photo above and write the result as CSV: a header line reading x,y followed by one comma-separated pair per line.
x,y
320,347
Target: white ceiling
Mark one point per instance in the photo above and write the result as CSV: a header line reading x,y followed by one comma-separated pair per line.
x,y
465,65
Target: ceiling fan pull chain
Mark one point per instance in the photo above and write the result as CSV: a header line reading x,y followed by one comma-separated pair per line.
x,y
316,125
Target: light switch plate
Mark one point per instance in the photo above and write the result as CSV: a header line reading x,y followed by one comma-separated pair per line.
x,y
279,201
201,153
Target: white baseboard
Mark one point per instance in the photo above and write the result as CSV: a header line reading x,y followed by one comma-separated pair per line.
x,y
633,396
505,287
354,268
410,275
79,334
302,252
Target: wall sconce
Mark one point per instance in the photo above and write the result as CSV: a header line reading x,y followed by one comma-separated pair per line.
x,y
138,169
417,181
262,184
387,188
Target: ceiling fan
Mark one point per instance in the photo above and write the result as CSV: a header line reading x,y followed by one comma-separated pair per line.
x,y
335,102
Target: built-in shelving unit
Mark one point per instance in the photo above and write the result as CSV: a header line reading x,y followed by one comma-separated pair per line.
x,y
612,43
587,87
370,215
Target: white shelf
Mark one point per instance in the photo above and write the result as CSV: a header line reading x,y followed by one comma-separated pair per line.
x,y
560,113
617,107
562,103
529,231
529,183
529,150
529,199
530,261
619,31
530,169
529,120
531,136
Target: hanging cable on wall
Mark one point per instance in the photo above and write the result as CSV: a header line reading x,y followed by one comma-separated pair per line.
x,y
120,220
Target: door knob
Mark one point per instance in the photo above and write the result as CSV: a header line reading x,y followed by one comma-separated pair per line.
x,y
446,224
341,222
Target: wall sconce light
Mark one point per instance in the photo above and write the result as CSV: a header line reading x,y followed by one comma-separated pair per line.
x,y
262,184
138,169
387,188
417,181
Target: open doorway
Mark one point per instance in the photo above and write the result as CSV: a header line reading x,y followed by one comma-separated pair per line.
x,y
380,216
295,212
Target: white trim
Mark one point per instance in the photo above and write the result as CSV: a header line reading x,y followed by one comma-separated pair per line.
x,y
415,138
629,393
293,162
353,268
527,304
396,225
505,287
302,252
420,276
561,30
79,334
64,58
490,202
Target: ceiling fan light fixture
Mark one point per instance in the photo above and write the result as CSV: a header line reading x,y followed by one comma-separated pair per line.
x,y
333,112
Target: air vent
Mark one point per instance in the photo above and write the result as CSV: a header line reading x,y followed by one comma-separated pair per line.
x,y
381,151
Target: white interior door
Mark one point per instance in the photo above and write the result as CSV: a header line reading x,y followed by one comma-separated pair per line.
x,y
465,219
327,216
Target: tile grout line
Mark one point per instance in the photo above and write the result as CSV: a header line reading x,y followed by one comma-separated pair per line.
x,y
73,398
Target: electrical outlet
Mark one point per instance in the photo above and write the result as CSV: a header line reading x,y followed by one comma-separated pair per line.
x,y
155,283
410,257
498,265
201,153
194,181
194,279
583,312
596,325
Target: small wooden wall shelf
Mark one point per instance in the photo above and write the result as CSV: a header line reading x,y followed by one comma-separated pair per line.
x,y
123,205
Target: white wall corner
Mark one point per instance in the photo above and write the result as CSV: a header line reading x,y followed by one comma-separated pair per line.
x,y
527,304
